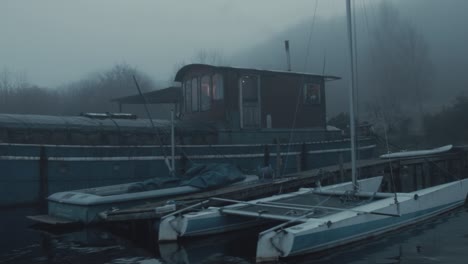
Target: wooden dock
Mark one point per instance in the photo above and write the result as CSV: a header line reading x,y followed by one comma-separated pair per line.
x,y
407,174
266,187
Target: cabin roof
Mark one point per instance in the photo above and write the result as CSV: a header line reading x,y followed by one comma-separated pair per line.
x,y
168,95
182,71
97,122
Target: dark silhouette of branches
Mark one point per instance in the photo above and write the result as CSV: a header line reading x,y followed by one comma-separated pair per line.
x,y
91,94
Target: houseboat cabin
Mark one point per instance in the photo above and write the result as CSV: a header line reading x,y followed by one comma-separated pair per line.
x,y
251,105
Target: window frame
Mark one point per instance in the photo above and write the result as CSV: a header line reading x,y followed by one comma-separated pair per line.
x,y
312,86
197,97
210,97
220,90
188,99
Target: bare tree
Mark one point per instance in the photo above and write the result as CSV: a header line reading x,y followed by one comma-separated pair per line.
x,y
211,57
93,94
203,56
400,70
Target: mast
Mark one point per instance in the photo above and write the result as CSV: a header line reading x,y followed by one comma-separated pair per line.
x,y
172,142
351,96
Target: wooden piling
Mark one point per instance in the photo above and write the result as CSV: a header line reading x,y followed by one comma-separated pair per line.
x,y
278,159
43,177
303,157
340,163
266,156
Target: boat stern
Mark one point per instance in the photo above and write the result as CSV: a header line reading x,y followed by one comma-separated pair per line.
x,y
272,245
171,228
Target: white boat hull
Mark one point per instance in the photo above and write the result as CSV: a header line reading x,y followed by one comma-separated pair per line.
x,y
214,221
345,227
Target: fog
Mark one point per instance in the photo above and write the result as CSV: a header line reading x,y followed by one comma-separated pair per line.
x,y
438,25
54,42
411,55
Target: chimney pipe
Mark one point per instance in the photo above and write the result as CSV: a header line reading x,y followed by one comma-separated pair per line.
x,y
288,57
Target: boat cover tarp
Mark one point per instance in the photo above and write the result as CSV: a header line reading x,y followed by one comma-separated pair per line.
x,y
213,175
154,184
202,176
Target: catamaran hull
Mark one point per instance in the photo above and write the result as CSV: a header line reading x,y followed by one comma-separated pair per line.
x,y
215,221
343,228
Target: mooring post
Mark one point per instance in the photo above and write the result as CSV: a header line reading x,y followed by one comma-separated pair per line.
x,y
183,163
43,177
278,158
427,172
298,162
266,155
303,157
340,160
424,179
463,166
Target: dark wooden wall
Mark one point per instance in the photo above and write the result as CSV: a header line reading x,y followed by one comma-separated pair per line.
x,y
280,94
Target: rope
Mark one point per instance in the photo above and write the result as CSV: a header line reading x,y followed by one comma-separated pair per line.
x,y
299,89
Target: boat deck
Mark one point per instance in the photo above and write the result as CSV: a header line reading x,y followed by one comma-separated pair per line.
x,y
307,205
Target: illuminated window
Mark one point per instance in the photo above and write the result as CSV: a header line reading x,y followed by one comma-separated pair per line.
x,y
205,95
218,89
188,96
195,94
312,94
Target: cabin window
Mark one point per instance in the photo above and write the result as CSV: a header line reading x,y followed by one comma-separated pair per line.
x,y
205,95
249,84
218,89
188,97
312,94
195,94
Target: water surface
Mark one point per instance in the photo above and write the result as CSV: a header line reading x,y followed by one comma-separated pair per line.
x,y
440,240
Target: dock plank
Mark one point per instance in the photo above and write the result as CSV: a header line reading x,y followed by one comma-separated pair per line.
x,y
287,183
51,220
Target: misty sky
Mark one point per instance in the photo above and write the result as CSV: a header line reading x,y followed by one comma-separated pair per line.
x,y
54,41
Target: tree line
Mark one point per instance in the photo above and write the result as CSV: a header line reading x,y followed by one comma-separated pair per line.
x,y
90,94
447,126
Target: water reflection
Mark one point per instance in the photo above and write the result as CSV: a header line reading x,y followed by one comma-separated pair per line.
x,y
234,247
441,240
88,245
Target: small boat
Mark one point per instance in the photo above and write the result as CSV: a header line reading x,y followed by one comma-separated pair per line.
x,y
85,206
284,207
360,222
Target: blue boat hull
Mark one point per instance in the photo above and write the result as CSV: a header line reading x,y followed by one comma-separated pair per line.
x,y
32,172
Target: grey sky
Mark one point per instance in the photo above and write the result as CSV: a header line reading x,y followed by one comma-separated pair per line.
x,y
57,41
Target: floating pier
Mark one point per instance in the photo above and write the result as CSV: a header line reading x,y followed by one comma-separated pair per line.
x,y
409,174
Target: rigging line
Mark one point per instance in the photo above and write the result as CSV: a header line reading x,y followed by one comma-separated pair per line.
x,y
324,61
300,88
171,169
356,83
391,173
310,36
351,93
366,19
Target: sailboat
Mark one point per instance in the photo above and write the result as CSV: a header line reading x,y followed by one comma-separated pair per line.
x,y
316,219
